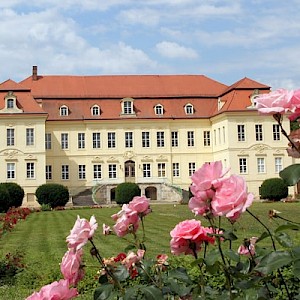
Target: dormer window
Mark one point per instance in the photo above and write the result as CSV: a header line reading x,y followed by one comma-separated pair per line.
x,y
253,97
127,107
159,109
64,110
189,109
95,110
10,103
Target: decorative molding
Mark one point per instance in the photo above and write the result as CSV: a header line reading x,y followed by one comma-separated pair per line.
x,y
97,159
147,158
112,159
128,154
161,158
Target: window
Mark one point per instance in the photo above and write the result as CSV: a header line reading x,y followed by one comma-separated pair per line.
x,y
30,174
65,172
81,172
206,138
128,139
29,136
276,132
10,103
261,167
160,139
258,132
190,139
64,111
189,109
174,138
48,172
81,140
278,164
111,140
95,110
224,134
161,170
48,141
10,170
96,140
64,141
241,133
10,137
127,107
243,165
215,137
192,168
145,139
159,109
175,169
146,170
112,171
97,171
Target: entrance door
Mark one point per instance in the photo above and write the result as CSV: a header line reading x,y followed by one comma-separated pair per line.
x,y
130,171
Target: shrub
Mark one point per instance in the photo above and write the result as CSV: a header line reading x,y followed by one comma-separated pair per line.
x,y
126,191
13,197
273,189
4,198
53,194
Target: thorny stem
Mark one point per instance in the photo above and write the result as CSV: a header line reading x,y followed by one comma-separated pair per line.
x,y
107,270
274,247
284,219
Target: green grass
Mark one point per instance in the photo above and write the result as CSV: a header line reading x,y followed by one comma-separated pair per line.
x,y
42,239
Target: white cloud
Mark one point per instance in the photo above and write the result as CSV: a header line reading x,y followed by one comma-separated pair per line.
x,y
140,16
173,50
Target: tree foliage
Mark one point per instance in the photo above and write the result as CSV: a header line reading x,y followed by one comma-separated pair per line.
x,y
273,189
126,191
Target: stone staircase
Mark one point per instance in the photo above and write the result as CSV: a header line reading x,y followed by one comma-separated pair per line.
x,y
84,198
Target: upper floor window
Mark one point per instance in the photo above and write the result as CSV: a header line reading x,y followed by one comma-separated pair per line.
x,y
175,168
10,170
96,140
159,109
30,174
97,172
189,109
10,103
64,110
127,106
192,168
258,132
111,140
190,139
65,172
128,139
81,172
146,170
48,141
48,172
160,139
243,165
81,140
29,136
241,133
10,136
112,171
161,170
278,164
95,110
261,165
174,138
145,139
64,141
276,132
206,138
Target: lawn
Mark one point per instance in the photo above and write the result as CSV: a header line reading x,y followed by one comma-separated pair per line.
x,y
41,237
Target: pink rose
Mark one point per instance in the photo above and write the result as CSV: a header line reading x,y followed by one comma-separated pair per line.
x,y
208,236
71,267
128,222
82,231
279,101
162,259
106,229
132,259
141,205
58,290
231,198
186,237
248,247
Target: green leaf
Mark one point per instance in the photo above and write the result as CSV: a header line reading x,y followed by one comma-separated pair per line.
x,y
263,236
152,293
229,235
296,268
287,226
291,174
274,261
284,239
212,257
121,273
130,294
129,247
179,274
232,255
103,292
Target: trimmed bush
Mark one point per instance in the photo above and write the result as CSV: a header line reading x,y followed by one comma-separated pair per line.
x,y
53,194
273,189
15,195
126,191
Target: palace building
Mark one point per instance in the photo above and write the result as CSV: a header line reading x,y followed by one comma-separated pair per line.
x,y
91,133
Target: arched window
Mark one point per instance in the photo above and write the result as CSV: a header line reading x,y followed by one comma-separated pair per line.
x,y
159,109
95,110
10,103
64,110
127,106
189,109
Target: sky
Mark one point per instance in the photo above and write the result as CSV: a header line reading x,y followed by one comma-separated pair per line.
x,y
225,40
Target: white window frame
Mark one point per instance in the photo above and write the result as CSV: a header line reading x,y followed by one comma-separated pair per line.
x,y
160,139
189,109
10,136
29,136
147,170
96,140
127,107
261,165
97,171
11,170
241,132
128,139
243,165
81,140
64,139
10,103
48,171
65,174
191,138
258,132
174,138
48,141
206,138
30,170
276,132
112,171
192,168
145,139
161,170
111,140
95,110
81,172
278,161
175,169
159,109
64,111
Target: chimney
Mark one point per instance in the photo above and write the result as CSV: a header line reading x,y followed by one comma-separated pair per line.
x,y
34,73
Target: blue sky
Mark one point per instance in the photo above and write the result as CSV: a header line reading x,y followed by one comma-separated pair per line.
x,y
225,40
